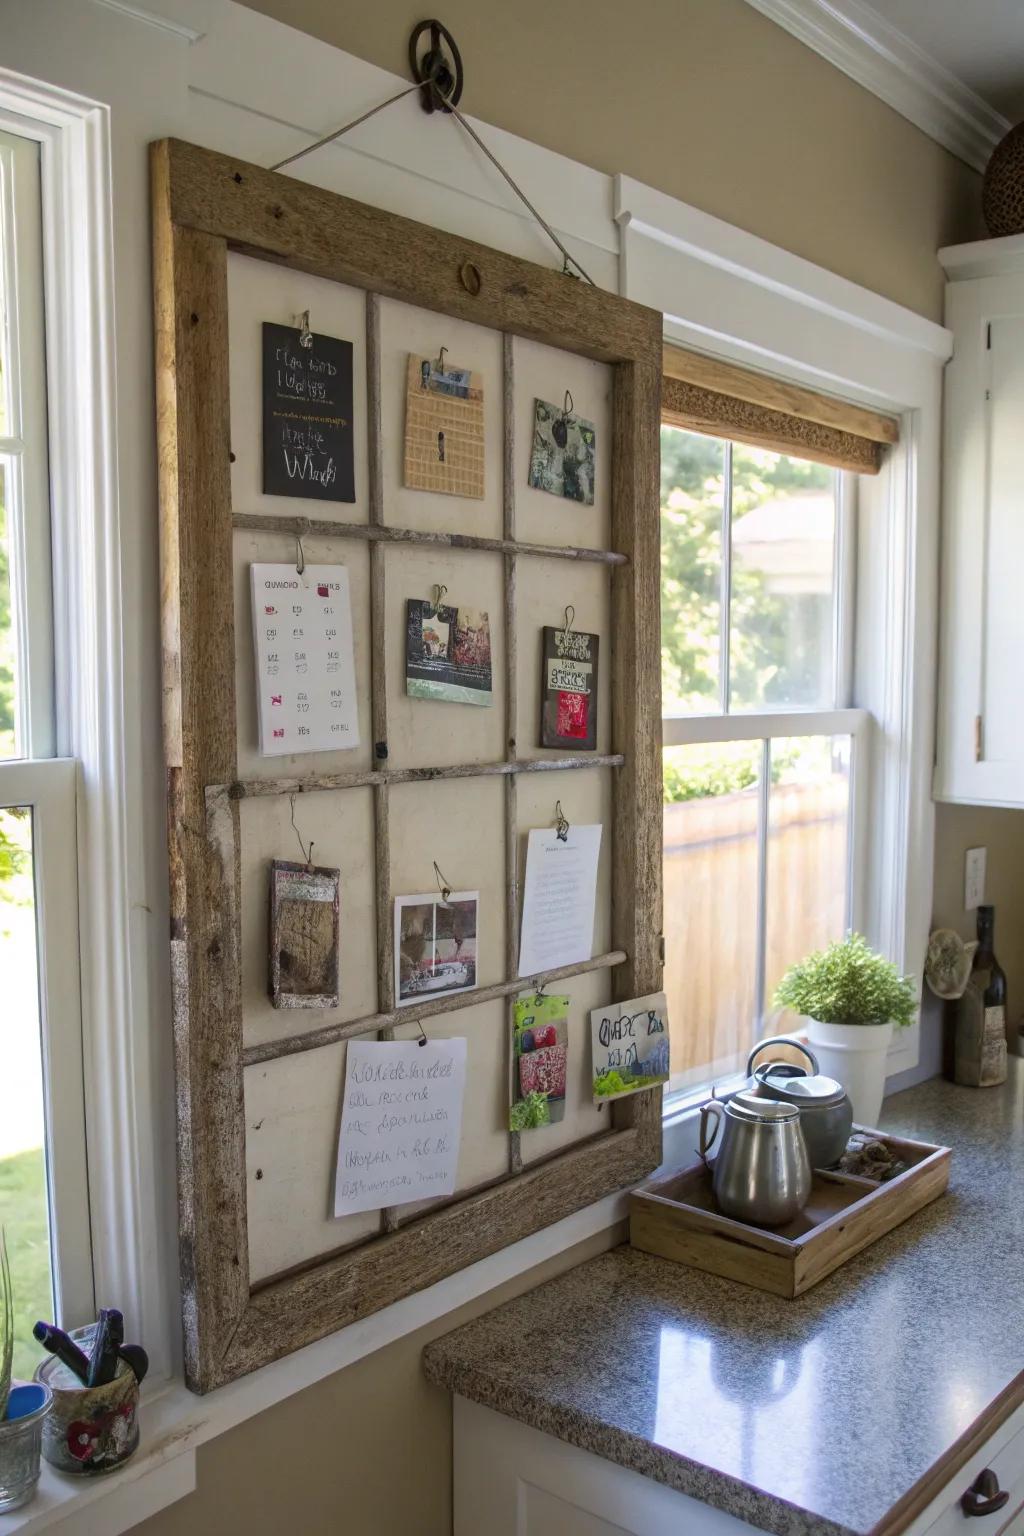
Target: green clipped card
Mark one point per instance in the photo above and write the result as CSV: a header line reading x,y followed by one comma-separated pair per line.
x,y
541,1026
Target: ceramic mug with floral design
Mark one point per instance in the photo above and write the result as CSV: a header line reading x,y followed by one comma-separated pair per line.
x,y
89,1429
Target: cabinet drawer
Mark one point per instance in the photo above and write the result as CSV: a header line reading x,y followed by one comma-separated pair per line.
x,y
1006,1460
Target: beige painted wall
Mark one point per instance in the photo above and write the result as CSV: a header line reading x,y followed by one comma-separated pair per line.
x,y
960,827
707,100
367,1452
712,103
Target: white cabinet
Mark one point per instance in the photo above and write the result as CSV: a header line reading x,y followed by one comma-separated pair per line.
x,y
511,1480
980,746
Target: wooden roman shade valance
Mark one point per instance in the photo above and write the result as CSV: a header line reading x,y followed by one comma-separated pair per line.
x,y
704,394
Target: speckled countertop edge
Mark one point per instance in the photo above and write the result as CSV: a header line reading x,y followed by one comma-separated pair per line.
x,y
716,1489
905,1279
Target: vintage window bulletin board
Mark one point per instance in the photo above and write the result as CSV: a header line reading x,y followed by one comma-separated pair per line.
x,y
428,792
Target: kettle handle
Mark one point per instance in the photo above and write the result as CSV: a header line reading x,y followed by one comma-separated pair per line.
x,y
707,1111
783,1040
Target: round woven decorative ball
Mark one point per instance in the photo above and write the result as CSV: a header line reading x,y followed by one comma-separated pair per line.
x,y
1002,193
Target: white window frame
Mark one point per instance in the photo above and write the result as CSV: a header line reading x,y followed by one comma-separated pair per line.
x,y
35,779
736,297
127,1144
837,718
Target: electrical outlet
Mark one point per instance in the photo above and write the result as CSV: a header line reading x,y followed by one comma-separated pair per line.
x,y
974,878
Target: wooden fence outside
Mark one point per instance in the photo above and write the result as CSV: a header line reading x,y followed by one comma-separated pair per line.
x,y
711,893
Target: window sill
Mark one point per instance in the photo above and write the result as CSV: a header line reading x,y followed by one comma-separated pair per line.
x,y
175,1422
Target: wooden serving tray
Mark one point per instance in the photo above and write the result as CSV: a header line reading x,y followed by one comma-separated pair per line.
x,y
676,1216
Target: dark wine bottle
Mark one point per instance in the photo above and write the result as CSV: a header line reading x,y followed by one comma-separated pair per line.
x,y
981,1014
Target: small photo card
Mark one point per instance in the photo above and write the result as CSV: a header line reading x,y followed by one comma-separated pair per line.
x,y
562,460
541,1046
568,689
447,653
444,428
401,1122
630,1046
435,945
304,930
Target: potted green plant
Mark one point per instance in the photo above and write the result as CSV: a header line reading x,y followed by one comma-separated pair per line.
x,y
851,999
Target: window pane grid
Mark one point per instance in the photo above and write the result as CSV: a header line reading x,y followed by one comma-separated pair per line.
x,y
759,746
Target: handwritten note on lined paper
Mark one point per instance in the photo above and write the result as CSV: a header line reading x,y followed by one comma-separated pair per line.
x,y
401,1121
558,899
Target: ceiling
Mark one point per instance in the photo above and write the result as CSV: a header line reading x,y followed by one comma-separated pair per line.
x,y
979,41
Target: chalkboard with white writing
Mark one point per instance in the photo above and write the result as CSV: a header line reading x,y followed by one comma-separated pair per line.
x,y
307,416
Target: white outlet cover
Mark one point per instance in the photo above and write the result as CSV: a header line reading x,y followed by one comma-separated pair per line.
x,y
974,878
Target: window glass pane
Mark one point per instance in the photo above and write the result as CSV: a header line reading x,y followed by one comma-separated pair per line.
x,y
692,487
711,887
23,1200
783,534
8,745
808,857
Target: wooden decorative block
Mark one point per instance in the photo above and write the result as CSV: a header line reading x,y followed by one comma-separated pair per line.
x,y
304,931
444,428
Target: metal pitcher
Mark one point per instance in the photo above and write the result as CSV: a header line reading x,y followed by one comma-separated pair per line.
x,y
762,1173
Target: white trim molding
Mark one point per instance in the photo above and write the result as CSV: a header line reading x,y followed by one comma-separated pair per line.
x,y
860,42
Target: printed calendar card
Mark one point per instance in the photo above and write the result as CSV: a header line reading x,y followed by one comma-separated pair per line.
x,y
305,670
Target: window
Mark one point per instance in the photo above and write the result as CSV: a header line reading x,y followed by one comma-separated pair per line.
x,y
43,1193
760,744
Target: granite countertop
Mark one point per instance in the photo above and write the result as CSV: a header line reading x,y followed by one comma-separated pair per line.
x,y
811,1415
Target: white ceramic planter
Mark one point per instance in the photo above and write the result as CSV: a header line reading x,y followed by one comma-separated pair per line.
x,y
854,1054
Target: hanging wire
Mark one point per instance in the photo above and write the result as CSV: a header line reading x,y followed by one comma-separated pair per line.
x,y
308,857
568,259
329,138
442,885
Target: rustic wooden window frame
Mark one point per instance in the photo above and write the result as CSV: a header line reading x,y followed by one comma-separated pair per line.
x,y
205,205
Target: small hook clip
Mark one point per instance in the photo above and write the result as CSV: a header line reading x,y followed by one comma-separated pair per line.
x,y
300,555
570,614
440,592
423,1034
567,405
561,825
305,334
442,885
308,857
440,361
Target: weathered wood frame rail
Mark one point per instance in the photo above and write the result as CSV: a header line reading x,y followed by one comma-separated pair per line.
x,y
205,205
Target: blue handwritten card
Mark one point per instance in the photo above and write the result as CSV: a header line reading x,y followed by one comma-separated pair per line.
x,y
630,1046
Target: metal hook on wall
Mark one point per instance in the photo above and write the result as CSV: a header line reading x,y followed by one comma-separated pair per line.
x,y
423,1034
567,405
305,334
300,555
307,857
570,614
440,361
561,825
440,593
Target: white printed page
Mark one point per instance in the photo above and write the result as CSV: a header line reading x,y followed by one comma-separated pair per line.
x,y
559,898
305,669
401,1122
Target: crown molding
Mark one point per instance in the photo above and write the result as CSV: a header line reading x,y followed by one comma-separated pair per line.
x,y
187,19
860,42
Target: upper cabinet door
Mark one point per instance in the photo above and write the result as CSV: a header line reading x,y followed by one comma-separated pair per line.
x,y
980,748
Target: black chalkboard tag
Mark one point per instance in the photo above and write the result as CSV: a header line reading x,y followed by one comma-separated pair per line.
x,y
568,689
307,416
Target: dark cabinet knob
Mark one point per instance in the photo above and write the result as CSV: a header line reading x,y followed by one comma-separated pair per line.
x,y
984,1496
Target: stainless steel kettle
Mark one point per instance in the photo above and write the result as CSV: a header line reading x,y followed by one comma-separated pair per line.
x,y
826,1113
761,1173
